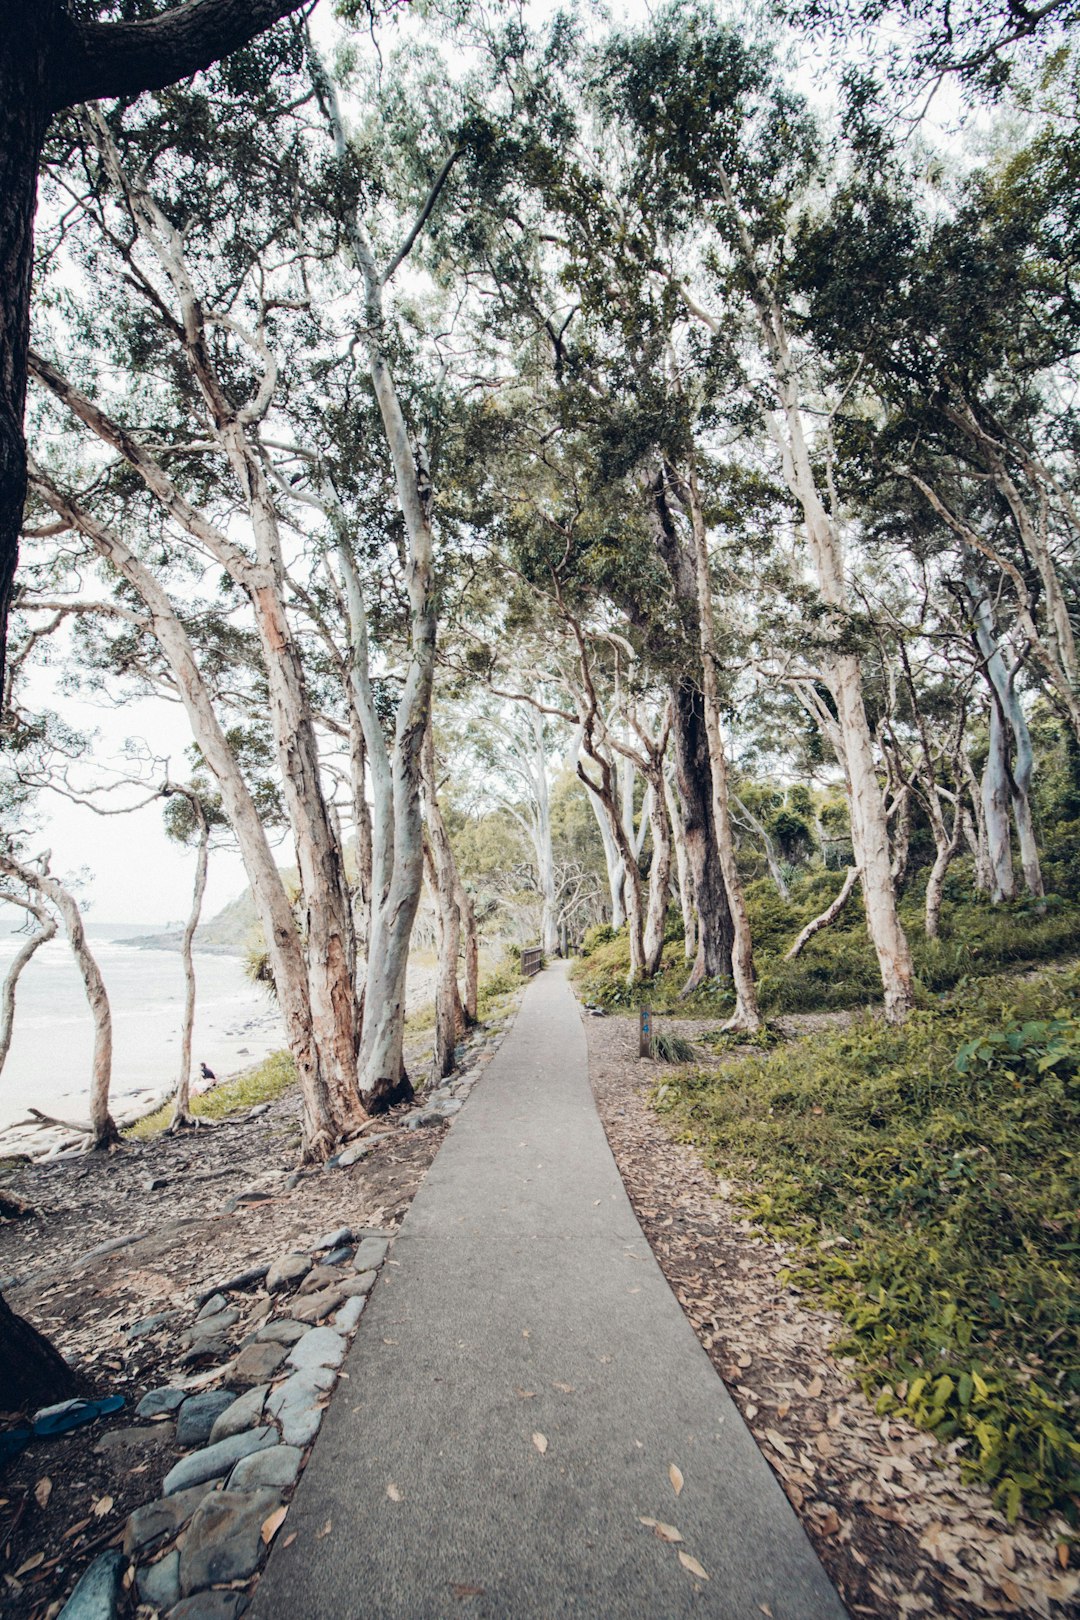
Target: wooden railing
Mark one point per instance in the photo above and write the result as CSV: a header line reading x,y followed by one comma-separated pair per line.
x,y
532,960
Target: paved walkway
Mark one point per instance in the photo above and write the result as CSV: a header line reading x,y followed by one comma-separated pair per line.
x,y
520,1267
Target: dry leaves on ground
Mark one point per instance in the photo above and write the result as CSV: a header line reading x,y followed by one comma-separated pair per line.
x,y
894,1525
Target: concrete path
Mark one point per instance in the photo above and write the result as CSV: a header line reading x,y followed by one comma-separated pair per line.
x,y
520,1303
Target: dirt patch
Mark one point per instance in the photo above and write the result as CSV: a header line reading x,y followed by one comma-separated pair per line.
x,y
883,1503
192,1214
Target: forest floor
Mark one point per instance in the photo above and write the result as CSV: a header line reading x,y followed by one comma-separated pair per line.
x,y
118,1251
898,1531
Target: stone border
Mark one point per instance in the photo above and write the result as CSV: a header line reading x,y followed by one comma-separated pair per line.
x,y
195,1551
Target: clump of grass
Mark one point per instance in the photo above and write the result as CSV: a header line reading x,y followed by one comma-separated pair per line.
x,y
927,1174
263,1083
673,1048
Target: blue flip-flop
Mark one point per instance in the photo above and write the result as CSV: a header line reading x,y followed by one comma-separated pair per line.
x,y
53,1420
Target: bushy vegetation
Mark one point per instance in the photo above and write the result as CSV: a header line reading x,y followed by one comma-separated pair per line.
x,y
927,1175
837,969
263,1083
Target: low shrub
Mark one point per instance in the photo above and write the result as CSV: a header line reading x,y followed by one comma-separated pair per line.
x,y
263,1083
927,1175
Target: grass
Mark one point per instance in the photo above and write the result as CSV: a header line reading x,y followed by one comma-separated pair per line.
x,y
263,1083
927,1176
837,969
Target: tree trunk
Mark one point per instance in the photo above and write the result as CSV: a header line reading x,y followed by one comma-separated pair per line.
x,y
182,1115
659,878
46,931
676,815
467,913
103,1132
746,1015
715,930
32,1372
442,876
829,915
771,861
323,1128
24,115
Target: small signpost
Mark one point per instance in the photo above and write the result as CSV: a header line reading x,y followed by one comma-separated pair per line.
x,y
645,1033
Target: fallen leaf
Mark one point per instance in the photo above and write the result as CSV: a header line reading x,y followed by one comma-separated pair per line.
x,y
524,1394
814,1388
42,1491
675,1476
783,1409
829,1524
764,1607
289,1539
460,1591
540,1442
650,1522
567,1389
1010,1589
667,1532
75,1528
31,1563
1063,1554
823,1445
325,1531
273,1524
102,1506
393,1493
692,1565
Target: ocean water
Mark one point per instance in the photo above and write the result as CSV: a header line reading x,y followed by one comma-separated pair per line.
x,y
48,1066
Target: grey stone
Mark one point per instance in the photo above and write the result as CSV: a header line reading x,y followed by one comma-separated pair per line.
x,y
322,1347
224,1540
337,1257
145,1437
210,1327
213,1461
282,1330
258,1111
350,1313
159,1521
244,1413
154,1183
206,1351
97,1596
360,1285
216,1302
243,1279
198,1414
159,1584
289,1269
297,1404
371,1254
257,1362
316,1306
333,1240
156,1401
320,1276
277,1465
357,1151
210,1606
151,1324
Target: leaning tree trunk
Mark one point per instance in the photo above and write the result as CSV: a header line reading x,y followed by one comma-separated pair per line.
x,y
46,931
182,1115
995,808
103,1132
33,1373
826,917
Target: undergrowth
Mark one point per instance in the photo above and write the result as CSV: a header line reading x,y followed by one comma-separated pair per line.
x,y
263,1083
838,969
927,1175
